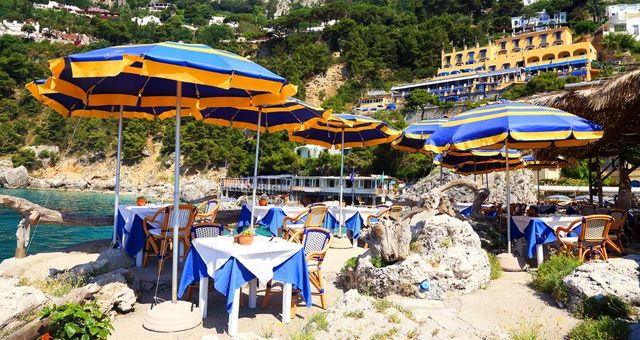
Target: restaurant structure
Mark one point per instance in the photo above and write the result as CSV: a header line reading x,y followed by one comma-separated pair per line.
x,y
479,72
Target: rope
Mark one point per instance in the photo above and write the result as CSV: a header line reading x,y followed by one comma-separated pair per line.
x,y
37,224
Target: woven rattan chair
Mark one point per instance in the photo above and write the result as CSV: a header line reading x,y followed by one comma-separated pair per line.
x,y
592,240
616,232
164,234
203,230
293,227
316,241
207,211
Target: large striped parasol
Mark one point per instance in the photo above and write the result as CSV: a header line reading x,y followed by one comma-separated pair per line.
x,y
414,135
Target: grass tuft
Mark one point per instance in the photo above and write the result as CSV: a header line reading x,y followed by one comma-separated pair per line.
x,y
320,321
386,335
382,304
355,314
548,278
607,305
496,269
525,331
603,328
393,318
350,264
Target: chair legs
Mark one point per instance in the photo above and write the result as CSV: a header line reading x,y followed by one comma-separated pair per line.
x,y
316,280
267,295
593,252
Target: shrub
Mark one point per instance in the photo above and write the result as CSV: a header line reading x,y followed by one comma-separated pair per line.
x,y
496,269
525,331
350,264
75,321
24,157
320,321
548,278
356,314
604,328
608,305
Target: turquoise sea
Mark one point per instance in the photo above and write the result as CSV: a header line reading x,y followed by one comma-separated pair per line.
x,y
51,237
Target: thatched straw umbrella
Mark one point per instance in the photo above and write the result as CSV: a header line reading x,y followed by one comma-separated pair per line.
x,y
615,105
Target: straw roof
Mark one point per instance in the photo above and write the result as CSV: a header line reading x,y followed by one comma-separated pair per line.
x,y
613,103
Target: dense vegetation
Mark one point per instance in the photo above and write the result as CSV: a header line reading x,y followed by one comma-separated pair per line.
x,y
380,42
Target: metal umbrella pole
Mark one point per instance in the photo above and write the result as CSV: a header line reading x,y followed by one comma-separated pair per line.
x,y
508,189
340,219
116,189
176,198
255,170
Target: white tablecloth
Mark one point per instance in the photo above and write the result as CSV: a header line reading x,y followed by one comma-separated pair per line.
x,y
552,222
462,206
259,258
129,212
349,211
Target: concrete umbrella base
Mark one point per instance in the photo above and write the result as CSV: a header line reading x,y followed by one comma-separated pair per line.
x,y
167,317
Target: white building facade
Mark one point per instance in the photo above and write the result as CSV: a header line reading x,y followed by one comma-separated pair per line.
x,y
623,19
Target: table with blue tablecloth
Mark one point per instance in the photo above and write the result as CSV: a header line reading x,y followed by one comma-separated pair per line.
x,y
272,217
538,231
354,218
465,209
129,231
232,265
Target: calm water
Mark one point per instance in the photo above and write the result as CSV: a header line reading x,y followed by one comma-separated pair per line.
x,y
50,237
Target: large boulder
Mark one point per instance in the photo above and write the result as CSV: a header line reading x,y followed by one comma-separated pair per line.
x,y
16,177
523,188
118,291
38,183
447,261
76,184
56,182
617,276
103,184
196,188
116,258
17,301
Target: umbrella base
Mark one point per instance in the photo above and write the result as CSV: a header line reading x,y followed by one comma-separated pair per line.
x,y
167,317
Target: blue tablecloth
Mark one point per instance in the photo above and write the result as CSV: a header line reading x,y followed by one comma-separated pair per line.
x,y
135,238
274,218
354,224
537,232
233,275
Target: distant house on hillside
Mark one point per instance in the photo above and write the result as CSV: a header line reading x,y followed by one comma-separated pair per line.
x,y
375,100
149,19
623,19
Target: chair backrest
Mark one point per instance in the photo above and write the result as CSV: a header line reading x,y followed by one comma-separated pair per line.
x,y
394,212
619,216
595,228
206,230
316,240
315,217
185,216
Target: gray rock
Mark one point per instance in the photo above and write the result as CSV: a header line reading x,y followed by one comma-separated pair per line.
x,y
119,275
617,276
39,148
195,188
16,177
118,296
116,258
76,184
56,182
17,301
449,258
38,183
103,184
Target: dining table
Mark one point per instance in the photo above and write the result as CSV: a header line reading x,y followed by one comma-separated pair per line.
x,y
353,218
539,230
129,231
272,216
232,265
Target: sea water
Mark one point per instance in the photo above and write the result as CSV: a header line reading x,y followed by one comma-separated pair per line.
x,y
49,237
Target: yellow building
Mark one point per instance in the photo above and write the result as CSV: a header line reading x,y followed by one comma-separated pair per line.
x,y
374,100
485,71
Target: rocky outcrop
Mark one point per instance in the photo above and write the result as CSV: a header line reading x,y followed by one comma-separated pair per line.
x,y
16,177
617,276
522,186
103,184
447,261
118,290
38,183
17,301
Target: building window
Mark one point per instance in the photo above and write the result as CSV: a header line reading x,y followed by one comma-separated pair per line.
x,y
636,30
459,59
530,41
543,38
620,28
558,35
447,61
471,57
516,43
503,45
483,54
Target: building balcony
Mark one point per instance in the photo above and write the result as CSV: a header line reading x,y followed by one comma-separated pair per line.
x,y
447,65
543,45
503,51
482,59
558,42
516,49
458,63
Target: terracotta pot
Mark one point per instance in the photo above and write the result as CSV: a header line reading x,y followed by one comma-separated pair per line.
x,y
262,202
141,201
244,240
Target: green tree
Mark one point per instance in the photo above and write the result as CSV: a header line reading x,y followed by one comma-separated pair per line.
x,y
134,139
24,157
421,99
213,34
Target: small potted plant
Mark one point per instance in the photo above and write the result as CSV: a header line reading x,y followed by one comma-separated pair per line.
x,y
263,201
141,200
245,238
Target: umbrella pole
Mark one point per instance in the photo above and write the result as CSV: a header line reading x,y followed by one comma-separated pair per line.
x,y
255,170
341,183
176,197
116,189
506,146
538,175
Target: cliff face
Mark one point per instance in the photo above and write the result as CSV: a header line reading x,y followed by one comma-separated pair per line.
x,y
283,6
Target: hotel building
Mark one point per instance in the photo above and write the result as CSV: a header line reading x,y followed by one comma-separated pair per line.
x,y
486,71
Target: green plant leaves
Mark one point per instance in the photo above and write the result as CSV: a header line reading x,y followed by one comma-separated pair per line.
x,y
71,329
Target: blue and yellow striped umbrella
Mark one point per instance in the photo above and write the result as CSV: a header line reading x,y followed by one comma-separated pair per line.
x,y
532,163
293,114
358,131
413,136
148,75
69,106
519,125
478,161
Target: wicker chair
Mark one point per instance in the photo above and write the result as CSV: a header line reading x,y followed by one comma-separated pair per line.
x,y
616,232
588,209
207,211
293,227
316,241
592,240
164,234
203,230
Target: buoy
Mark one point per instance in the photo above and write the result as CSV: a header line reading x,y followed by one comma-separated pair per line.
x,y
424,286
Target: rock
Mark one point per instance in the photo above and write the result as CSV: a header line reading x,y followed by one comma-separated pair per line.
x,y
116,258
617,276
195,188
17,301
38,183
103,184
16,177
90,268
389,238
523,188
119,275
76,184
39,148
5,163
448,257
117,296
56,182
